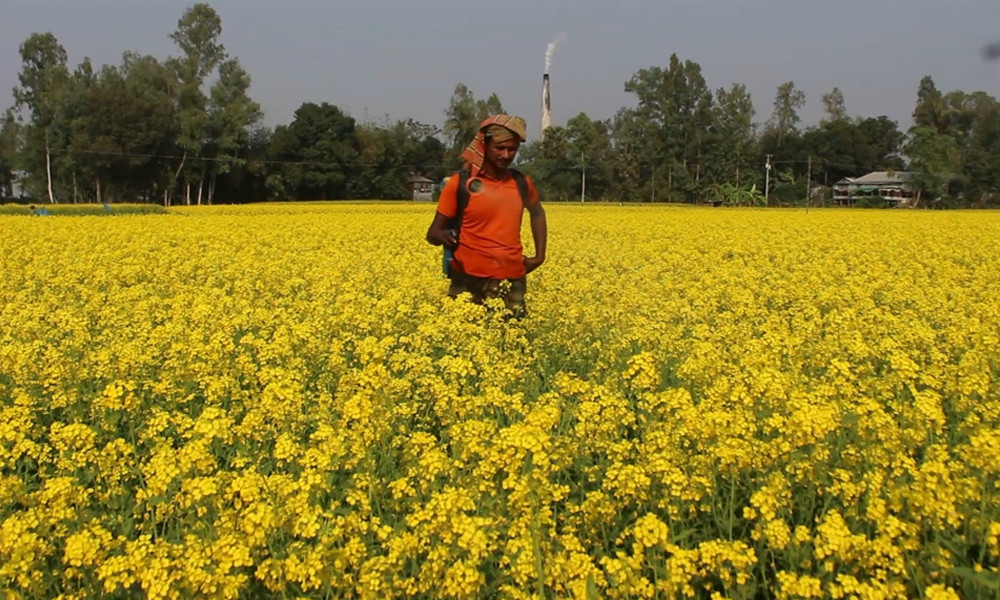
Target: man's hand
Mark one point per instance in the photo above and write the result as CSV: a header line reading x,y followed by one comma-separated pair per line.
x,y
447,238
439,234
532,262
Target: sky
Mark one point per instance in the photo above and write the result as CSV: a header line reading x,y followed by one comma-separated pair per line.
x,y
399,59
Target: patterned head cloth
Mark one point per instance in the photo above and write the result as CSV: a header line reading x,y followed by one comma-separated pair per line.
x,y
498,127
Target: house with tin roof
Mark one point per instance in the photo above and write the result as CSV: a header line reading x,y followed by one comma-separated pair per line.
x,y
420,187
895,188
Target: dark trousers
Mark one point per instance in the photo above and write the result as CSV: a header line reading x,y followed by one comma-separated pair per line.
x,y
511,291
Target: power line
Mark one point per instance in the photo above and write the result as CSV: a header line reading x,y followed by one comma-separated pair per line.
x,y
236,160
689,166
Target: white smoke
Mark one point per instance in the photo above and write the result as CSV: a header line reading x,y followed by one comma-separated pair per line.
x,y
550,50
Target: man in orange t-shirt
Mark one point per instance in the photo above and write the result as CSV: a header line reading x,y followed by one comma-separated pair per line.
x,y
489,262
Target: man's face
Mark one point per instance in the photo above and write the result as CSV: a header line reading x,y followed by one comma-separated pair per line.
x,y
501,154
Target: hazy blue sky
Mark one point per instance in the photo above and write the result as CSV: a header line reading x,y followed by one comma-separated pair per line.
x,y
403,58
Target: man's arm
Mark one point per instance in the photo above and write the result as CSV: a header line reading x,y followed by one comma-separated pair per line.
x,y
438,233
540,235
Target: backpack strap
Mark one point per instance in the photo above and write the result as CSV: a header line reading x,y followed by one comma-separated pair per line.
x,y
522,186
463,194
463,198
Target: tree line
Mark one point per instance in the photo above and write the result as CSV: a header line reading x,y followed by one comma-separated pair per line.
x,y
184,130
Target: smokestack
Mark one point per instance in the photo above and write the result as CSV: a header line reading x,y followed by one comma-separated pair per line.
x,y
546,100
546,105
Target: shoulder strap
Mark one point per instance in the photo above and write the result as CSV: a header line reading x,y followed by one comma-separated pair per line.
x,y
463,198
522,186
463,193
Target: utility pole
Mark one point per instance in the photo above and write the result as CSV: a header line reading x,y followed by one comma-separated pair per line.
x,y
767,181
583,178
809,170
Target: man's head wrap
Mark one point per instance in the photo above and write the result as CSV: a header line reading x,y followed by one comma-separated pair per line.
x,y
499,128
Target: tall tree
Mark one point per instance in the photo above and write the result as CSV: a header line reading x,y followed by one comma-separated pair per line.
x,y
930,110
972,124
463,116
320,149
122,118
76,116
380,151
883,136
674,118
559,161
591,150
197,37
247,182
42,78
389,153
551,164
736,131
784,122
489,106
231,114
9,147
629,147
840,148
155,127
982,161
833,105
426,153
934,157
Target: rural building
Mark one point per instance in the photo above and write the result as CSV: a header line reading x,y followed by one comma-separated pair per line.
x,y
420,187
893,187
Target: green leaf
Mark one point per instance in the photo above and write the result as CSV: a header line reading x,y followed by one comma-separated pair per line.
x,y
983,578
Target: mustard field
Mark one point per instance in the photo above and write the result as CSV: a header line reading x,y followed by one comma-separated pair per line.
x,y
278,401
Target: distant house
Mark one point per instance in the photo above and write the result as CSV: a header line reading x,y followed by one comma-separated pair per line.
x,y
420,187
894,187
17,186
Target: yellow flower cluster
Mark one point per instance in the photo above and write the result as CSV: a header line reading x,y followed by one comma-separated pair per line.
x,y
279,401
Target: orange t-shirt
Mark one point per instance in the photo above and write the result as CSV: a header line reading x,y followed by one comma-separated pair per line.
x,y
489,241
